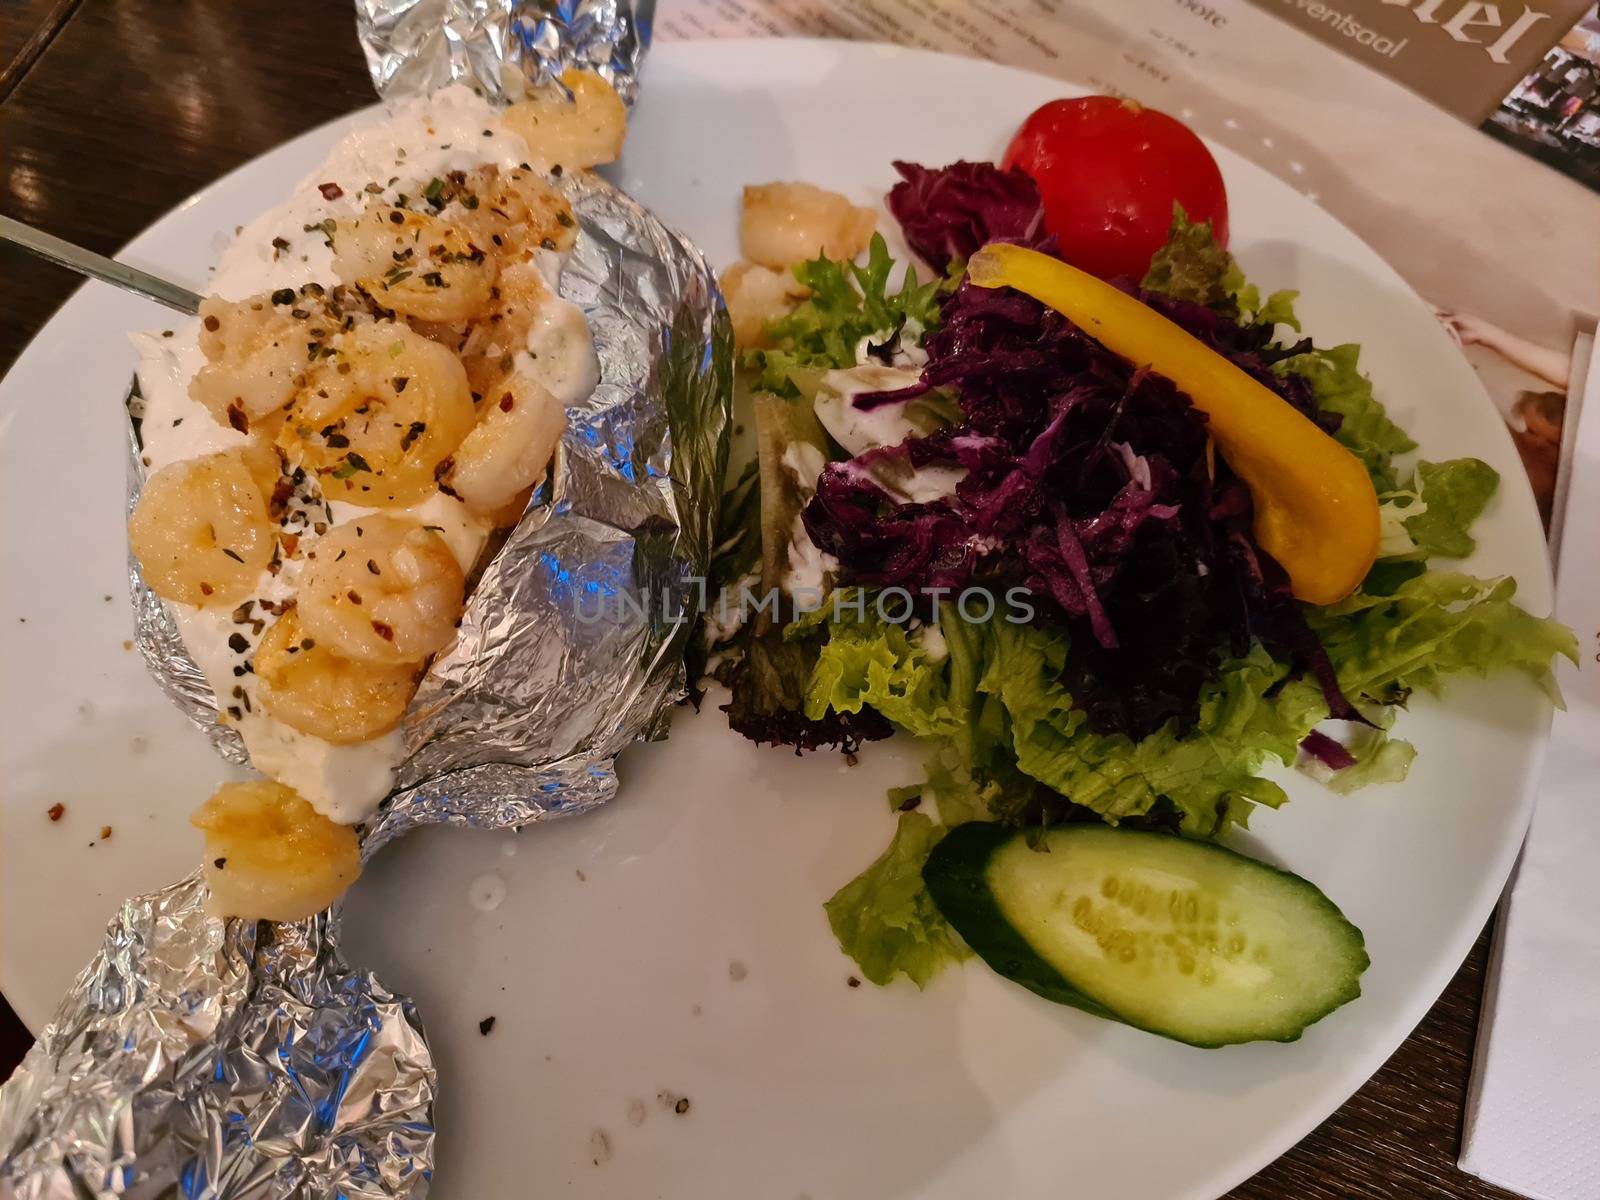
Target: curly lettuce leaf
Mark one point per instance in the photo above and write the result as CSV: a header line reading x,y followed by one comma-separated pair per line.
x,y
867,664
1276,309
1192,266
1434,625
958,795
1251,716
1364,427
1453,496
872,663
884,918
999,703
849,301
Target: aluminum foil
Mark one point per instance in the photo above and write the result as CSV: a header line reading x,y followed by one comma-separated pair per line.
x,y
500,47
201,1058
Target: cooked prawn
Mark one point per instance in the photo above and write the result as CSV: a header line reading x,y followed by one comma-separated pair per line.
x,y
200,530
785,223
270,856
310,688
382,590
266,463
375,421
514,214
519,426
419,265
756,297
255,359
528,316
583,131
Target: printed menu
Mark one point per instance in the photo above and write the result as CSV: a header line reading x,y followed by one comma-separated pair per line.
x,y
1468,173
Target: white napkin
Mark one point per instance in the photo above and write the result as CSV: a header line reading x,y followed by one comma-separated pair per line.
x,y
1533,1110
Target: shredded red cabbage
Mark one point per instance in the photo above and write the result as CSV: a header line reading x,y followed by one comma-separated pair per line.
x,y
948,213
1088,481
1328,752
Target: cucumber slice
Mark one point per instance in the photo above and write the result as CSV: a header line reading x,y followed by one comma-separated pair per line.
x,y
1181,938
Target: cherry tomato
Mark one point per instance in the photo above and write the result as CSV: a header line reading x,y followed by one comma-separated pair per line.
x,y
1108,172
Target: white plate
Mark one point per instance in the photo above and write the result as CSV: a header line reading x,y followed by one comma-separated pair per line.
x,y
610,963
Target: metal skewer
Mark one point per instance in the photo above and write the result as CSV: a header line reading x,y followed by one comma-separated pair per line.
x,y
97,266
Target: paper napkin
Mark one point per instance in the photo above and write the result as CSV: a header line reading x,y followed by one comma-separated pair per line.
x,y
1533,1110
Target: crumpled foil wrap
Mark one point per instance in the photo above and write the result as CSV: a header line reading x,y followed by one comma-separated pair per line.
x,y
500,47
201,1058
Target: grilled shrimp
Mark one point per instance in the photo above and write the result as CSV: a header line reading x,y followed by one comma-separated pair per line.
x,y
757,296
200,530
785,223
419,265
530,317
584,131
381,590
265,462
505,454
255,359
270,856
340,700
376,421
515,213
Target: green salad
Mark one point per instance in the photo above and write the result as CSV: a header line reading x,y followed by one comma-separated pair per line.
x,y
993,533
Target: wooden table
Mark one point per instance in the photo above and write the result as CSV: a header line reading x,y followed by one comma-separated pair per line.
x,y
112,111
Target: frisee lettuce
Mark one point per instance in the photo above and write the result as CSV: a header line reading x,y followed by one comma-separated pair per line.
x,y
849,301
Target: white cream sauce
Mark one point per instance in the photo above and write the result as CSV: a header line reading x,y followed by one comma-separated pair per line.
x,y
932,642
809,565
858,430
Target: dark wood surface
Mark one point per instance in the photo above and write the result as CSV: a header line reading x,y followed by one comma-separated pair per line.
x,y
134,104
26,28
